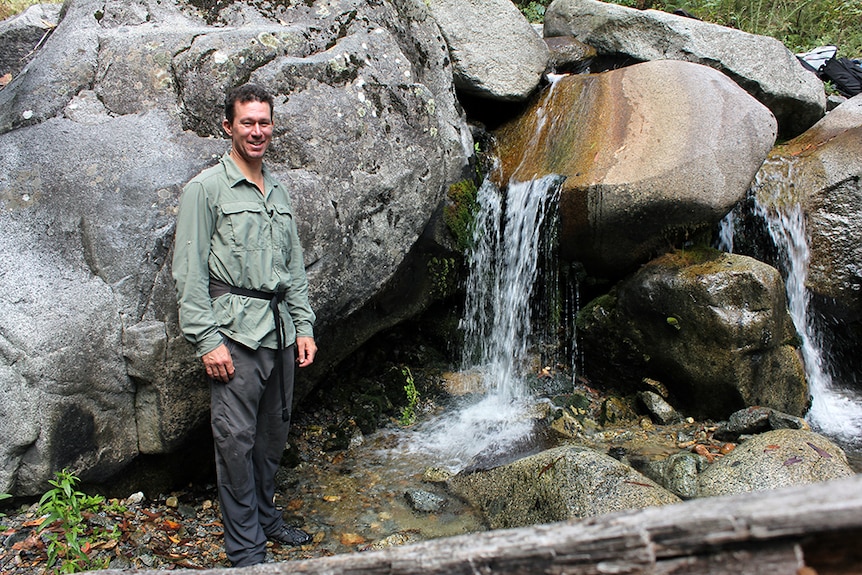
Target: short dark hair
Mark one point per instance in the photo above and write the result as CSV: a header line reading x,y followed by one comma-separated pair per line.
x,y
246,93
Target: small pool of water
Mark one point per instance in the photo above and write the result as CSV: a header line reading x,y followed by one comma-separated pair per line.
x,y
356,500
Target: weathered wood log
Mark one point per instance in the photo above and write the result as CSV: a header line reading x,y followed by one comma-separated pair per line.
x,y
808,530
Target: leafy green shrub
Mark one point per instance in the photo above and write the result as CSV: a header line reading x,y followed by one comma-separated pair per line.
x,y
534,11
801,26
67,533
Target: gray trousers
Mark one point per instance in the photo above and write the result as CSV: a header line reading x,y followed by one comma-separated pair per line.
x,y
250,437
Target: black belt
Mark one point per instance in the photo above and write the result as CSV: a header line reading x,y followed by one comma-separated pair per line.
x,y
220,288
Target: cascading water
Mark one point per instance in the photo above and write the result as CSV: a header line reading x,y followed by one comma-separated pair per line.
x,y
497,325
503,265
834,411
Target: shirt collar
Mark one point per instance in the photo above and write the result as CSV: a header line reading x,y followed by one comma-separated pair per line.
x,y
235,175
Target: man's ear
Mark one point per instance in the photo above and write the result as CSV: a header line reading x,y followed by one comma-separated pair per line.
x,y
226,127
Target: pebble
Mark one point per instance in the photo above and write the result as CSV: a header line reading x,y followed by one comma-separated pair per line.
x,y
425,501
436,475
659,408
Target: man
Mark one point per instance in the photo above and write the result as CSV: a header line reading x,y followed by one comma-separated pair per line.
x,y
243,302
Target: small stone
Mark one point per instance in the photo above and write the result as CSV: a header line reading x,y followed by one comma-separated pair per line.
x,y
680,474
656,386
616,410
172,502
463,383
567,425
134,499
425,501
350,539
356,439
745,421
659,408
394,540
779,420
187,511
436,475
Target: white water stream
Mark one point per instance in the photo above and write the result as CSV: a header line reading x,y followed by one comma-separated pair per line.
x,y
497,327
835,411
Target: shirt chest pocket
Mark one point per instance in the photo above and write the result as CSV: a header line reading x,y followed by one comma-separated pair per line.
x,y
283,225
247,226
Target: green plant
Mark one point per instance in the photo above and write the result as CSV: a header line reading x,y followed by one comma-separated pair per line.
x,y
408,412
443,274
460,212
64,508
533,11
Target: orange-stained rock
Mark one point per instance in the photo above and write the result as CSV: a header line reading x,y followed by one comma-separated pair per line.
x,y
652,153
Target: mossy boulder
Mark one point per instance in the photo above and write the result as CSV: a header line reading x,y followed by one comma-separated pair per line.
x,y
712,327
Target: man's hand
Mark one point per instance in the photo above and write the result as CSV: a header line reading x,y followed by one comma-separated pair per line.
x,y
305,351
219,364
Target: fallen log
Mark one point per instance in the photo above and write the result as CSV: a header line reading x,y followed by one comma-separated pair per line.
x,y
809,530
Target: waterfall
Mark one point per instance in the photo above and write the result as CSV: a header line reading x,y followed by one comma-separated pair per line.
x,y
508,242
834,412
725,233
503,265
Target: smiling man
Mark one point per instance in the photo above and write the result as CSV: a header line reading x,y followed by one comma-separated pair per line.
x,y
243,302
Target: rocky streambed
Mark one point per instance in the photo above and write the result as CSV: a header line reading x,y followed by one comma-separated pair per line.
x,y
371,491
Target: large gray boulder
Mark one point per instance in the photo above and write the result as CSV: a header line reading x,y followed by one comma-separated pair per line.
x,y
495,51
712,327
792,93
98,134
652,153
568,482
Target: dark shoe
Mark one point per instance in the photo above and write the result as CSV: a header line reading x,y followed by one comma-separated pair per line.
x,y
290,536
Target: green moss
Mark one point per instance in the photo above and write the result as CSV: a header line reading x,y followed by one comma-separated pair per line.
x,y
696,255
460,212
602,305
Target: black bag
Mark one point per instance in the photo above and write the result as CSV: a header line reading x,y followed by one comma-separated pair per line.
x,y
845,74
815,59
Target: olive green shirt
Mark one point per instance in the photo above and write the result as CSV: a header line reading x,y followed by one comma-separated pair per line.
x,y
228,230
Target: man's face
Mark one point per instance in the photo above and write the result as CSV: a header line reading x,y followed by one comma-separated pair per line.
x,y
251,129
